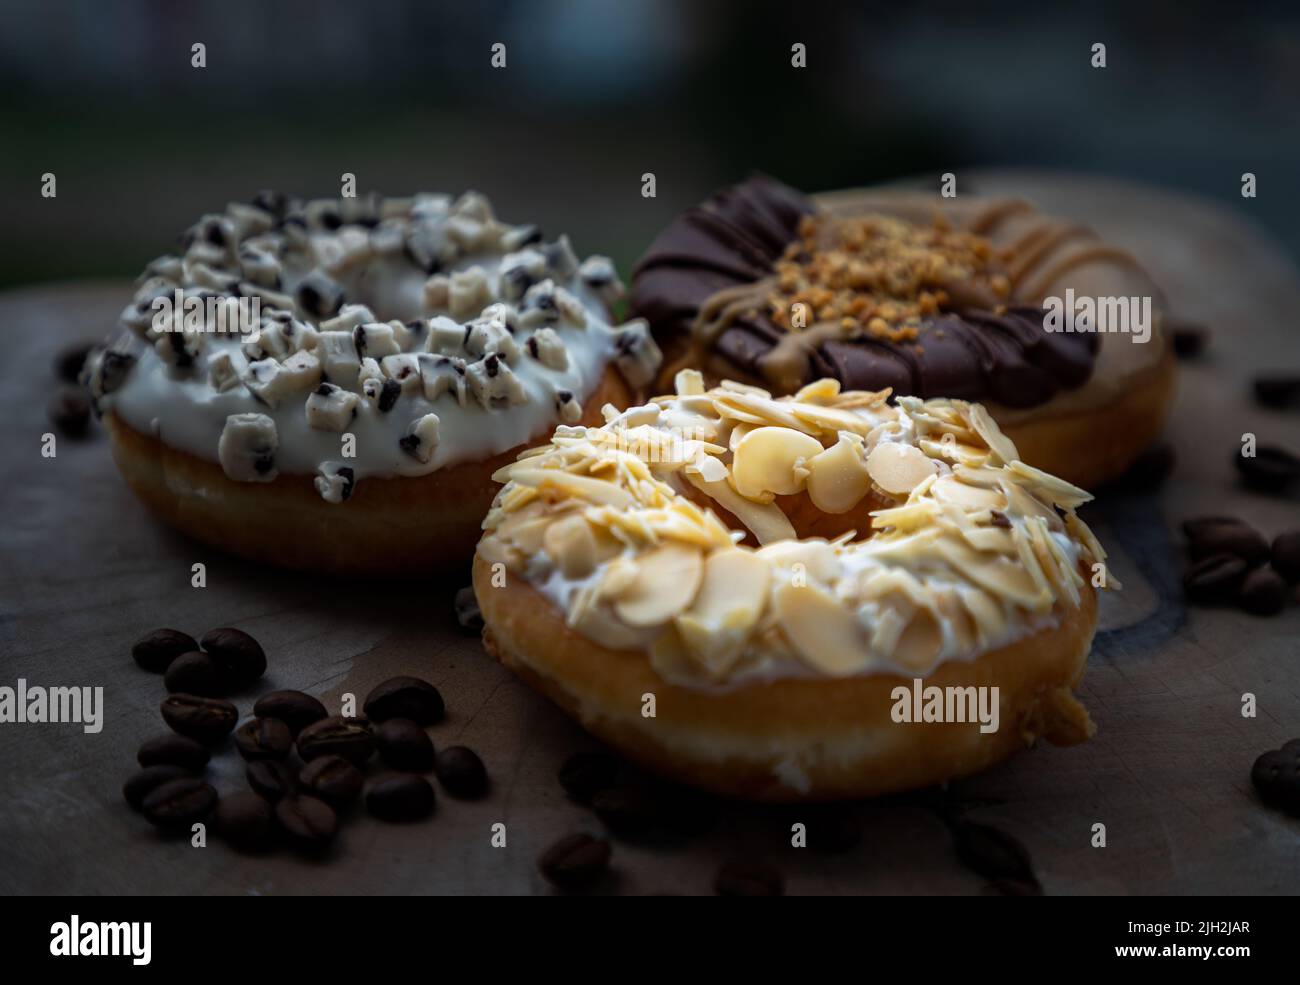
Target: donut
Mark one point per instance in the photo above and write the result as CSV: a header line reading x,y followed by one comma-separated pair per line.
x,y
1057,333
687,581
329,385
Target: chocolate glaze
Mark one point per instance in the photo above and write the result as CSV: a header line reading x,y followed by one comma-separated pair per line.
x,y
735,238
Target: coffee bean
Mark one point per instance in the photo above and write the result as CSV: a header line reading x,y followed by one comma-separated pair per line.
x,y
294,708
1285,555
405,697
335,736
170,749
271,779
584,774
992,852
1188,339
69,411
142,783
245,820
461,772
399,797
237,653
1214,579
628,810
1151,468
1270,469
653,813
69,360
1276,776
576,861
1224,535
263,738
156,651
833,830
332,779
1263,593
310,824
468,615
179,803
748,878
1278,391
403,745
206,720
195,673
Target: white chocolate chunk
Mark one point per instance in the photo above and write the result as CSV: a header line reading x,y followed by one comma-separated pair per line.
x,y
446,337
598,273
222,373
339,359
546,346
421,438
405,369
331,408
437,293
442,374
348,318
336,479
247,448
519,272
470,292
567,407
637,356
492,336
375,339
493,383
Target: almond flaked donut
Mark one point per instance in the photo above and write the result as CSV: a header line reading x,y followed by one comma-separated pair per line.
x,y
330,385
666,553
969,297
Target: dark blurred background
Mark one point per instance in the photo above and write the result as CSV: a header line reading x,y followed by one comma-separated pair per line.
x,y
596,92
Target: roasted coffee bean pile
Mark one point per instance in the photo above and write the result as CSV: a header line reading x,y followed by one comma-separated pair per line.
x,y
305,768
1233,563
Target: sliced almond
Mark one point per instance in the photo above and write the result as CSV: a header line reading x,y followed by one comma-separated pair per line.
x,y
987,429
772,460
567,484
838,476
666,581
823,632
572,546
920,643
816,557
898,468
948,489
764,520
688,382
728,606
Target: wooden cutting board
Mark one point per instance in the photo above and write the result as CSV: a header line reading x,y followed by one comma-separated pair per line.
x,y
84,571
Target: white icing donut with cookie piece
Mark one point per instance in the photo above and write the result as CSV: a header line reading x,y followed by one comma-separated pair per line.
x,y
377,355
701,549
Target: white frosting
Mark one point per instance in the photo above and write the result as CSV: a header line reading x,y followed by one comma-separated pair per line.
x,y
183,408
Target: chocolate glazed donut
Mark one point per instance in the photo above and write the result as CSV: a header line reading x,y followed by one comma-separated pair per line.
x,y
718,285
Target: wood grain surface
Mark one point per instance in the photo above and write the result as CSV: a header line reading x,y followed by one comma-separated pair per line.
x,y
84,571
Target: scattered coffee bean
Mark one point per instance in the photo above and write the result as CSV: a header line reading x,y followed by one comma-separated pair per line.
x,y
748,878
335,736
461,772
405,697
628,810
195,673
1263,593
1151,468
576,861
333,779
1225,535
993,853
245,820
69,360
156,651
294,708
1214,579
206,720
69,411
142,783
310,824
653,813
1285,555
833,830
1278,391
263,738
584,774
399,797
237,653
271,779
1270,469
1188,339
403,745
467,611
179,803
170,749
1276,776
